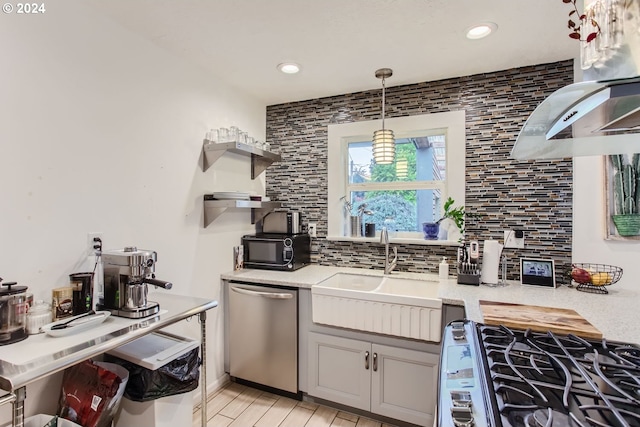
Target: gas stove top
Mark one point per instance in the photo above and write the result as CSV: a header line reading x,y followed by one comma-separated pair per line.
x,y
495,376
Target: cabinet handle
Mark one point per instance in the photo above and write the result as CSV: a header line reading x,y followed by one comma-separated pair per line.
x,y
366,360
375,362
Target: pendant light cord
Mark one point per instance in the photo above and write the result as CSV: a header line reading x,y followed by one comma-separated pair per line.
x,y
383,99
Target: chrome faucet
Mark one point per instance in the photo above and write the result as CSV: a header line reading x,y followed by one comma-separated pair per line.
x,y
388,265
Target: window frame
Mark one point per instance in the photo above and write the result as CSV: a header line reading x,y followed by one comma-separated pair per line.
x,y
452,124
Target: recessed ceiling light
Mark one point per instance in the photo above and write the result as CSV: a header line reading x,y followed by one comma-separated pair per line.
x,y
289,67
481,30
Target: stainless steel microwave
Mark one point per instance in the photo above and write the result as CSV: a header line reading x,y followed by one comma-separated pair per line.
x,y
275,251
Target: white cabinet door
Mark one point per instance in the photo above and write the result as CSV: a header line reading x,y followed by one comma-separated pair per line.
x,y
404,384
340,370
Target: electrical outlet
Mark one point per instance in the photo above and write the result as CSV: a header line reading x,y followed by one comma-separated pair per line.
x,y
91,242
511,241
312,229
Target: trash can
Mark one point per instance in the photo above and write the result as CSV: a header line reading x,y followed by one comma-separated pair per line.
x,y
163,372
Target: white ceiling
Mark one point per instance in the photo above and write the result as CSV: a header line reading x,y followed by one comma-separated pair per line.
x,y
340,43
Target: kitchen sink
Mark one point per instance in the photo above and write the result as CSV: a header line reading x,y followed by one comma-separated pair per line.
x,y
388,305
419,291
352,282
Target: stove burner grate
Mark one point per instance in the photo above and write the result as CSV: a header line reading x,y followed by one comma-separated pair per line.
x,y
549,418
553,380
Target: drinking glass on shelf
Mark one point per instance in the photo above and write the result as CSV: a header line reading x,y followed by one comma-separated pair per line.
x,y
242,137
234,132
223,135
250,140
212,135
266,146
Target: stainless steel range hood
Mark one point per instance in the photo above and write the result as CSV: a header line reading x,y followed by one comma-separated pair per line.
x,y
584,119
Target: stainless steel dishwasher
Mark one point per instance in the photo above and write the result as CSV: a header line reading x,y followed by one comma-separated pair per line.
x,y
263,335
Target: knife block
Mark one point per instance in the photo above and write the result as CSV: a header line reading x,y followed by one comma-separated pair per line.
x,y
468,278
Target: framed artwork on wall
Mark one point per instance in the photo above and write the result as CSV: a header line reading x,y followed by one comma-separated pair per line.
x,y
622,196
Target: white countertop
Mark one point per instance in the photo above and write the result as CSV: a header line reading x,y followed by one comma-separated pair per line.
x,y
614,314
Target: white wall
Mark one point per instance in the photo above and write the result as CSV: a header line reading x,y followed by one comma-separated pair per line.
x,y
589,244
102,131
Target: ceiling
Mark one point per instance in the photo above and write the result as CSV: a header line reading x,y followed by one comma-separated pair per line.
x,y
340,43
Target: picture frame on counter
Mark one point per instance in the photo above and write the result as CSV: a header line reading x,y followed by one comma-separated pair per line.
x,y
538,272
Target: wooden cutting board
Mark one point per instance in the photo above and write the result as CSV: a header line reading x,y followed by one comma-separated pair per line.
x,y
540,319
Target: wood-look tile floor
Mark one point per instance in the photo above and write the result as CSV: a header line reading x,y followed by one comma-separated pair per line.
x,y
236,405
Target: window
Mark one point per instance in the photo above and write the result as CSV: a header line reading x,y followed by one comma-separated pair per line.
x,y
429,167
405,193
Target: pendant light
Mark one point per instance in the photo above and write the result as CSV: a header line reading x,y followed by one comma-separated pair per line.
x,y
402,168
384,146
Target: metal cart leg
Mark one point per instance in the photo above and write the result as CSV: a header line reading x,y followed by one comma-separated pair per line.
x,y
17,400
203,352
10,398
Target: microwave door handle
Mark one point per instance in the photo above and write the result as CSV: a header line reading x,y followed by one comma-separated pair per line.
x,y
261,294
272,264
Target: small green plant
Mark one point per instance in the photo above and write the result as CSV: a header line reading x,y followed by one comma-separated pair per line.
x,y
626,184
456,214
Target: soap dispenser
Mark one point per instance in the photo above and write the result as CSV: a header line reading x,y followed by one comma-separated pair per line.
x,y
443,271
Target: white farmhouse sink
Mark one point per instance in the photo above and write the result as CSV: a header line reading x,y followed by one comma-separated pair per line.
x,y
410,291
386,305
352,282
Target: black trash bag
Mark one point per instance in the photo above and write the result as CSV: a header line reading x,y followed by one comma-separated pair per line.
x,y
181,375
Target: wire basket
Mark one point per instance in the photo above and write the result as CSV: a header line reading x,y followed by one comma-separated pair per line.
x,y
599,276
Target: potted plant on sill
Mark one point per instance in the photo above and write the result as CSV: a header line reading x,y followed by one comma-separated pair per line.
x,y
626,194
456,215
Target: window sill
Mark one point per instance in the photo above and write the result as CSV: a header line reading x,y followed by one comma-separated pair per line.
x,y
396,240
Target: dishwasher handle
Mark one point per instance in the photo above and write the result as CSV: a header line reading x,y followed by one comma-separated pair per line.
x,y
271,295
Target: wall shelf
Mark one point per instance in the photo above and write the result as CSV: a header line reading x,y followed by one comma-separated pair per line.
x,y
260,159
214,208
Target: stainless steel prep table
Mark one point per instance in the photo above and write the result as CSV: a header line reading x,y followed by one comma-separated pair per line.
x,y
52,355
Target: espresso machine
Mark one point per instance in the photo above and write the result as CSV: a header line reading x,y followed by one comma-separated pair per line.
x,y
127,272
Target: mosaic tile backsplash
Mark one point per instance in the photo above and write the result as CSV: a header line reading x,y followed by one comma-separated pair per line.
x,y
535,196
